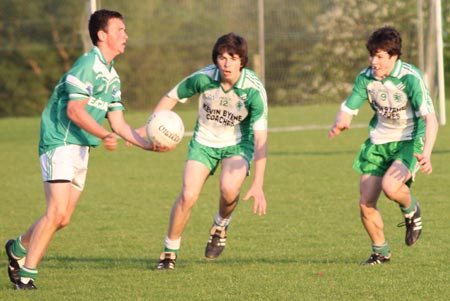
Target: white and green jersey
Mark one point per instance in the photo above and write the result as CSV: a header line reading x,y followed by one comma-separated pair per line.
x,y
225,118
90,77
399,101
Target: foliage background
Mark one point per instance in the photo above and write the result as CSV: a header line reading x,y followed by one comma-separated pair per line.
x,y
313,49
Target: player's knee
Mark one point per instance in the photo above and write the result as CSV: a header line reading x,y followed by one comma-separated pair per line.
x,y
366,208
367,213
187,198
229,192
392,189
58,219
64,223
390,192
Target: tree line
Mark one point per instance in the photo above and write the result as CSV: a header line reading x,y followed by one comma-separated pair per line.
x,y
313,49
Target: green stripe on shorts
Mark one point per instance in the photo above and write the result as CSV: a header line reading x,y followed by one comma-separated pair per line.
x,y
375,159
212,156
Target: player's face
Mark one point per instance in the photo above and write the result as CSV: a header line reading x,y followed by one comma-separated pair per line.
x,y
382,63
116,37
230,67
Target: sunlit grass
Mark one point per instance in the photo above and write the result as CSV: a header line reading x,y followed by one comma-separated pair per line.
x,y
307,247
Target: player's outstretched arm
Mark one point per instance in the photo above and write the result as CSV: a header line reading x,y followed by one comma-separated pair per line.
x,y
165,103
124,130
342,122
431,130
256,190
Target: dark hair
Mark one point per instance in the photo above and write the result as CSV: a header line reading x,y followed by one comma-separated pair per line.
x,y
99,21
385,38
233,44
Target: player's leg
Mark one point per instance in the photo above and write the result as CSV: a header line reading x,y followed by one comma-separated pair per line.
x,y
194,177
234,172
61,202
395,187
64,173
371,163
370,190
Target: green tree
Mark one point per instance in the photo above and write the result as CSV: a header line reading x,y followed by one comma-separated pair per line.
x,y
39,41
168,40
339,52
313,49
290,32
446,34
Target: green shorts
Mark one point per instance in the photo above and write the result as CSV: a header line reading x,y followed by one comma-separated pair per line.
x,y
375,159
212,156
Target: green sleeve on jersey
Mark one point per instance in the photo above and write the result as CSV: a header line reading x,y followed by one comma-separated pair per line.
x,y
359,93
192,85
417,92
77,79
259,112
116,106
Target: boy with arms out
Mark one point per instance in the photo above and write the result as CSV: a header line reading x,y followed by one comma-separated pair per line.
x,y
72,123
231,129
402,134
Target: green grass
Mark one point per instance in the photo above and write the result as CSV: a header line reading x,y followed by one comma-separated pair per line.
x,y
307,247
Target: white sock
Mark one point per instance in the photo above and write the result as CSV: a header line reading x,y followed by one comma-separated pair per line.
x,y
172,244
220,221
25,280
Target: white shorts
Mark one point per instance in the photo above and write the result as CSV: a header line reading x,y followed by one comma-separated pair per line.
x,y
68,163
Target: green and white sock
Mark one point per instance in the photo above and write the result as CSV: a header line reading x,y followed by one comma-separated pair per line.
x,y
27,274
409,211
382,249
172,245
17,249
220,221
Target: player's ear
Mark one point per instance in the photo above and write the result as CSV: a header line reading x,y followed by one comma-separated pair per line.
x,y
242,63
101,36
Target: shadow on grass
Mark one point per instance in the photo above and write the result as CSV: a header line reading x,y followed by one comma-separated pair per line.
x,y
331,152
276,261
439,151
151,263
314,153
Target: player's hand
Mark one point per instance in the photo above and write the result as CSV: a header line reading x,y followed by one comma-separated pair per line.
x,y
424,163
336,130
341,123
110,142
160,149
259,204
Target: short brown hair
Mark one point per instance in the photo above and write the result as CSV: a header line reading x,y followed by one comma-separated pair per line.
x,y
99,21
233,44
386,38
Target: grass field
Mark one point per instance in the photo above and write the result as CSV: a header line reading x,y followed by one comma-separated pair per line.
x,y
307,247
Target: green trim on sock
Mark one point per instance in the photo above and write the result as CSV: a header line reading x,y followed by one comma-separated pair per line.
x,y
381,249
411,207
171,250
28,273
17,249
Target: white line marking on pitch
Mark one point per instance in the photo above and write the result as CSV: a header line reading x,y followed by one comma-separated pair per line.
x,y
296,128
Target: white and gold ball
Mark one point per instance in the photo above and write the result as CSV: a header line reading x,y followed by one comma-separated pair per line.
x,y
165,128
